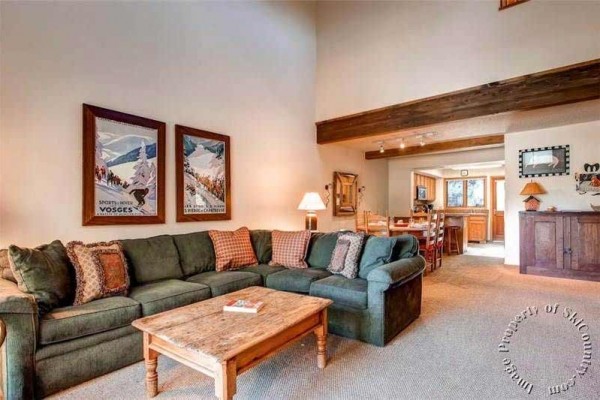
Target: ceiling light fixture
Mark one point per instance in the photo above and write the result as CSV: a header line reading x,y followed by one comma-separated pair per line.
x,y
402,144
381,149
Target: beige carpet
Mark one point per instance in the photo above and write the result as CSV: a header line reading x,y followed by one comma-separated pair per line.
x,y
450,352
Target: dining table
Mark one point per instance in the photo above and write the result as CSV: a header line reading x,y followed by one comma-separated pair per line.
x,y
415,230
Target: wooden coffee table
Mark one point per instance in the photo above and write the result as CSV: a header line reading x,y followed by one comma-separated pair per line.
x,y
224,344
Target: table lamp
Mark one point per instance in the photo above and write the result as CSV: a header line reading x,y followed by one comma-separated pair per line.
x,y
530,189
311,202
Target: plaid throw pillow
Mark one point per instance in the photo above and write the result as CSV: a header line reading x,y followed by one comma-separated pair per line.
x,y
233,250
289,248
346,254
100,269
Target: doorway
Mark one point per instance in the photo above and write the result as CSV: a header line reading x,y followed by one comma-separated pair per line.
x,y
498,195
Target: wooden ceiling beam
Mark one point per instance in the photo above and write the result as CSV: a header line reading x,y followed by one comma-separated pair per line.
x,y
570,84
437,147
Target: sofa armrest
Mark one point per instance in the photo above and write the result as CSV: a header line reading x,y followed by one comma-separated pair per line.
x,y
13,301
19,314
398,271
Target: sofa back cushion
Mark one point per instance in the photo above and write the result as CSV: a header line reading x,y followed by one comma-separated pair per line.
x,y
383,250
152,259
196,252
321,248
407,246
44,272
262,243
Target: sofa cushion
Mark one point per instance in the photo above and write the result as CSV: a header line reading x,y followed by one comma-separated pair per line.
x,y
262,244
233,249
100,268
290,248
196,252
45,273
343,291
101,315
407,246
378,251
263,270
153,259
226,281
295,280
320,249
166,295
346,254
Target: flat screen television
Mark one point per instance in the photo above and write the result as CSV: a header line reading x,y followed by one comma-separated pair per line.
x,y
421,193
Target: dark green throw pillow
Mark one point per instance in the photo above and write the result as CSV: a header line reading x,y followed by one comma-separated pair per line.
x,y
44,272
262,243
320,249
378,251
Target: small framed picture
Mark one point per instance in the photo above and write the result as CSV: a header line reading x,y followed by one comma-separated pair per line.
x,y
544,161
421,193
203,175
123,168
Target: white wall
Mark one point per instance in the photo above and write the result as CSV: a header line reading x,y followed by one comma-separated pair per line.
x,y
585,148
377,53
245,69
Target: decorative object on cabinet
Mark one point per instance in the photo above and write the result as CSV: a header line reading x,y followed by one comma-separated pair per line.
x,y
203,177
532,188
311,202
544,161
123,168
345,194
595,208
560,244
589,181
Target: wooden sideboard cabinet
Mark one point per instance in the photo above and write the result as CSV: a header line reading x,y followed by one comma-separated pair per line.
x,y
563,244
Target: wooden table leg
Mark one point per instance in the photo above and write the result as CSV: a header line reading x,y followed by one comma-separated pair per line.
x,y
225,380
151,358
321,333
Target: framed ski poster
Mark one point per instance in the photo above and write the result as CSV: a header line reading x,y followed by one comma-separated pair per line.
x,y
123,168
203,175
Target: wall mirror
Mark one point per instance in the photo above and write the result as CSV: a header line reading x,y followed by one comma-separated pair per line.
x,y
345,189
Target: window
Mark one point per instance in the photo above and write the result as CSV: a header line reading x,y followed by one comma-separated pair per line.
x,y
465,193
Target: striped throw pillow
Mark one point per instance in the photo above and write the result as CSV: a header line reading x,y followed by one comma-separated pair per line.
x,y
290,248
233,249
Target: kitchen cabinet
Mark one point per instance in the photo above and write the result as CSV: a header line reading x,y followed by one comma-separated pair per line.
x,y
560,244
477,228
428,182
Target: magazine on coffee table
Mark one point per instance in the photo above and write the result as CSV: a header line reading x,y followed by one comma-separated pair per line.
x,y
244,306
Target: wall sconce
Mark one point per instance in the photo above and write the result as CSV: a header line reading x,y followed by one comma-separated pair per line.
x,y
327,193
361,193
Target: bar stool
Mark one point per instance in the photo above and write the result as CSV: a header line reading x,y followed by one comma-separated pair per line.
x,y
453,240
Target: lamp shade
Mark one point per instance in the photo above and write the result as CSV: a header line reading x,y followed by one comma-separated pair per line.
x,y
311,202
532,188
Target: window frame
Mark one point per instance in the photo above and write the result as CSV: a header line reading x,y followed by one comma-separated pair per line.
x,y
465,191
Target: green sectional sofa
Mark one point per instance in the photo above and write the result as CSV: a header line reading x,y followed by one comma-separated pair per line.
x,y
69,345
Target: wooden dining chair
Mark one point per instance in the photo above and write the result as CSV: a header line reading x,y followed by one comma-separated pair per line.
x,y
428,242
439,245
360,224
377,225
